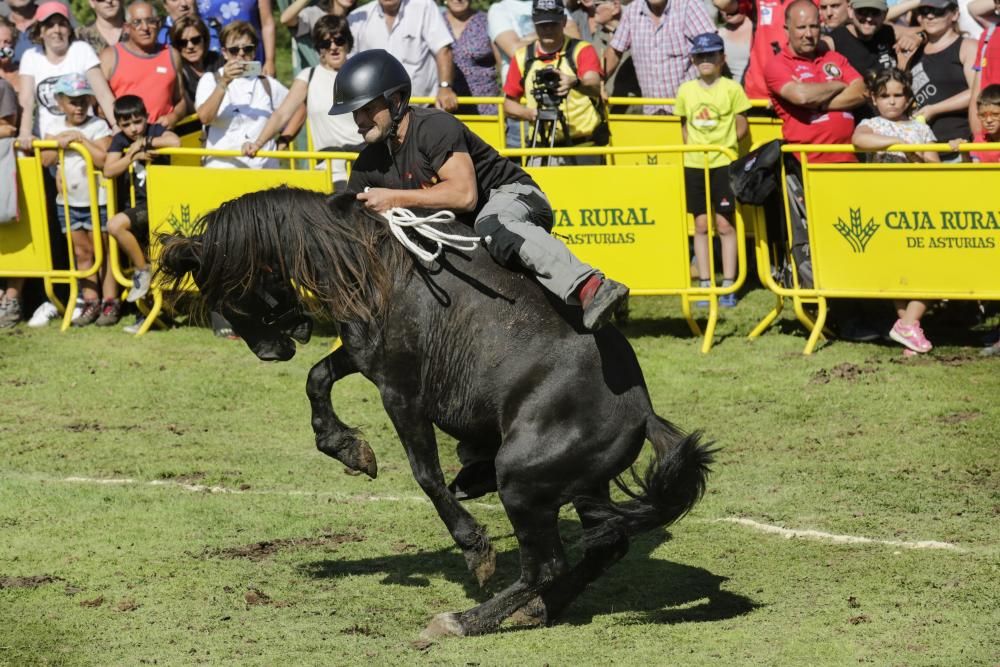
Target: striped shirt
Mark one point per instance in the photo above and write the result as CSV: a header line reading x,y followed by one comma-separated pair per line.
x,y
660,52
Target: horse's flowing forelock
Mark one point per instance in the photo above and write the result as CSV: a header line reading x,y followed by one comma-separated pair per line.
x,y
325,245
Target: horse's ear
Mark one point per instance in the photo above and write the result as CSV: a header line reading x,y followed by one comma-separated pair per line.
x,y
181,255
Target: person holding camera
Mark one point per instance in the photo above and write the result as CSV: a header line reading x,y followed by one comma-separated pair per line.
x,y
235,102
560,79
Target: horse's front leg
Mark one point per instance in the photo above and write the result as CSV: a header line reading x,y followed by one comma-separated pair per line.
x,y
334,437
417,435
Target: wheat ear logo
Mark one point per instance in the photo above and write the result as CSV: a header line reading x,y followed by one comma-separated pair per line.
x,y
858,234
184,224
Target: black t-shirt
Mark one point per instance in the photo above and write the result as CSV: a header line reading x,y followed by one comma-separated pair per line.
x,y
120,144
431,138
876,54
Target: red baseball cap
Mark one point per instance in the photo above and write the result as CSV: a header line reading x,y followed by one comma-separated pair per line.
x,y
51,8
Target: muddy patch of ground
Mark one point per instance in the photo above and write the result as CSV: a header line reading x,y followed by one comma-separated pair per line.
x,y
33,581
846,371
259,551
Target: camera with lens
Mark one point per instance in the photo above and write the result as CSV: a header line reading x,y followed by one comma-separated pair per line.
x,y
546,84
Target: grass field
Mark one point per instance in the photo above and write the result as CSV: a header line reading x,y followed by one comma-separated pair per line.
x,y
162,502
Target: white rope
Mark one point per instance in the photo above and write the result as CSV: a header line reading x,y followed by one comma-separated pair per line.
x,y
401,218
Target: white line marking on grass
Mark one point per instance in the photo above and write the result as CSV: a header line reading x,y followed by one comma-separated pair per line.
x,y
792,533
787,533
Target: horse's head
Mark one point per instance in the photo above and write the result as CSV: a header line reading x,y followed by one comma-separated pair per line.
x,y
266,313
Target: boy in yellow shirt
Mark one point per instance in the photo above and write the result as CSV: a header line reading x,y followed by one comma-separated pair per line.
x,y
711,108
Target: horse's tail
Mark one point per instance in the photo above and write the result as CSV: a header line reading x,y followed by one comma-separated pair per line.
x,y
668,489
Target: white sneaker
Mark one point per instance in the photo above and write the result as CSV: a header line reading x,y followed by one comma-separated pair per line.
x,y
44,314
134,328
78,310
140,285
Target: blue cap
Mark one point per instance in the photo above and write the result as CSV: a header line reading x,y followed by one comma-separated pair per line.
x,y
707,42
72,85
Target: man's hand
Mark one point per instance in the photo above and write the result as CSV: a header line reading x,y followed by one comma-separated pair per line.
x,y
566,83
446,100
379,200
250,148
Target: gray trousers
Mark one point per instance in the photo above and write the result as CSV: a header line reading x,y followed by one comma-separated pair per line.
x,y
525,216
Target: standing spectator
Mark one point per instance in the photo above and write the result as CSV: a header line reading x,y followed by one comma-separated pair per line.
x,y
8,69
235,102
737,34
769,38
583,17
623,81
943,73
257,13
73,204
867,42
142,66
108,25
833,14
300,17
314,87
987,60
22,15
813,89
711,108
476,56
176,9
574,65
190,37
56,53
659,33
415,33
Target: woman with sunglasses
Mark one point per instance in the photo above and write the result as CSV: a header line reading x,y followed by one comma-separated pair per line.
x,y
942,73
314,87
235,102
300,18
57,52
190,36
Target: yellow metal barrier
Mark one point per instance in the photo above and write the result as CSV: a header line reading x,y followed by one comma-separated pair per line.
x,y
25,246
490,129
640,234
926,231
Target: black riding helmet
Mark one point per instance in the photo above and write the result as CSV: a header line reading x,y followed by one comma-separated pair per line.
x,y
366,76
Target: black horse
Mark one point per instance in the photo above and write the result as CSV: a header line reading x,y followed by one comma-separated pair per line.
x,y
481,352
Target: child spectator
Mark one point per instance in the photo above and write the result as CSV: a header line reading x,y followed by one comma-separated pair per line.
x,y
75,99
132,146
711,108
988,112
892,97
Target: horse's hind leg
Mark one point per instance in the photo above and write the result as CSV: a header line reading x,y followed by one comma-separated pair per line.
x,y
542,562
333,437
417,436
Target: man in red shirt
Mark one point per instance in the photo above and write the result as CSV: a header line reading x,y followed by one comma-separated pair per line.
x,y
768,39
813,88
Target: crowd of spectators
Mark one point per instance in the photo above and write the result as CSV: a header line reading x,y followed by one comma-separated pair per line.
x,y
553,62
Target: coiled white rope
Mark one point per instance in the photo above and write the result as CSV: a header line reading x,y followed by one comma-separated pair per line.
x,y
402,218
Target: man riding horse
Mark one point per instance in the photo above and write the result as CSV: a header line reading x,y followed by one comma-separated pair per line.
x,y
426,158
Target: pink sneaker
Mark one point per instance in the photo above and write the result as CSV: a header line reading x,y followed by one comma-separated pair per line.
x,y
911,336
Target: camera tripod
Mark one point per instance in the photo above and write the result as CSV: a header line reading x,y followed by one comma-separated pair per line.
x,y
543,135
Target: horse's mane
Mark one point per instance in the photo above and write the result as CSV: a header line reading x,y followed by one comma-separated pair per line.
x,y
326,245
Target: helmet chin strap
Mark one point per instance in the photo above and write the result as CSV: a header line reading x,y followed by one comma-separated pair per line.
x,y
396,112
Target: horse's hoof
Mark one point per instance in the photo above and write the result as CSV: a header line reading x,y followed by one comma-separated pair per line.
x,y
482,564
350,450
443,625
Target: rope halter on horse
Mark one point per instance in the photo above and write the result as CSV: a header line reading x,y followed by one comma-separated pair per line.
x,y
402,218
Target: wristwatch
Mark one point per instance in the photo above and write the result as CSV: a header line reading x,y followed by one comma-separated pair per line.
x,y
444,84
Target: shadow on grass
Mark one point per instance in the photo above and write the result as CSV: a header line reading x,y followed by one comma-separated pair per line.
x,y
651,589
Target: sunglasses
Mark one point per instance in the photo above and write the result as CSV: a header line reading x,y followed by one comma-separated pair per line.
x,y
241,50
868,14
325,44
181,43
933,11
151,21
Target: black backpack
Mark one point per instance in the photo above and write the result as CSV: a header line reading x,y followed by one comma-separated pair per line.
x,y
754,177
